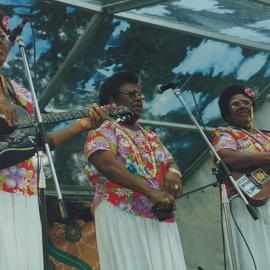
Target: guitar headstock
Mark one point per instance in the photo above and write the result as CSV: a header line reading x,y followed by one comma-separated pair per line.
x,y
121,114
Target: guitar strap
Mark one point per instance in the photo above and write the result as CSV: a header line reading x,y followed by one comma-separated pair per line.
x,y
9,91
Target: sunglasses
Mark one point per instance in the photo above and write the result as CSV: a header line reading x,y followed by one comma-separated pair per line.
x,y
133,94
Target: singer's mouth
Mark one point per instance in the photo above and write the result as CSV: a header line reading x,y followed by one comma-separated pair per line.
x,y
138,106
137,109
246,111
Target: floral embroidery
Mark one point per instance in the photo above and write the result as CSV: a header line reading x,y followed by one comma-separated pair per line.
x,y
108,137
21,177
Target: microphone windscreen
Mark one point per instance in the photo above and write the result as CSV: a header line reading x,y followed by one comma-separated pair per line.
x,y
158,88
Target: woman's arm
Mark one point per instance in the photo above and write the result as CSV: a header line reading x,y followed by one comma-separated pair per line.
x,y
97,115
8,110
106,163
225,143
238,160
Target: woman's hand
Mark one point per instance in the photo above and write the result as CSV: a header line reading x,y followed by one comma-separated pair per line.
x,y
97,115
9,111
172,183
158,196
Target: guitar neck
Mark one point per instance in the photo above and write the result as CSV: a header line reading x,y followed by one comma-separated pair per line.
x,y
26,122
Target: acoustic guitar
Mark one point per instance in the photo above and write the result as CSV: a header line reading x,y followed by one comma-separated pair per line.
x,y
18,143
255,185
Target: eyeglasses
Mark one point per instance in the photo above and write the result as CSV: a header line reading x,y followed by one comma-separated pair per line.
x,y
133,94
238,103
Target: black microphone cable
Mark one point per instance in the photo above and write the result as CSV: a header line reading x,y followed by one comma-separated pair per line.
x,y
223,235
34,53
243,237
199,113
221,210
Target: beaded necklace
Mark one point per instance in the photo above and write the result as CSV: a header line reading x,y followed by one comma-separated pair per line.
x,y
137,149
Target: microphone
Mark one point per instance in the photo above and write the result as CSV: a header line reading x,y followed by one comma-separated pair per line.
x,y
17,31
160,88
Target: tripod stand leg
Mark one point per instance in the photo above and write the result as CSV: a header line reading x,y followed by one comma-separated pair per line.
x,y
226,223
42,207
42,204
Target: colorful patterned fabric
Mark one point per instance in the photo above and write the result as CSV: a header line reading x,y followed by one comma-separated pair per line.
x,y
20,178
4,22
232,138
110,138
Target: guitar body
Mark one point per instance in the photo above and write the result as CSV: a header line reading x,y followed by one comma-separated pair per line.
x,y
16,145
257,188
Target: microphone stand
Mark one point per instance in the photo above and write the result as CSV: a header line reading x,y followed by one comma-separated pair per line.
x,y
42,138
223,170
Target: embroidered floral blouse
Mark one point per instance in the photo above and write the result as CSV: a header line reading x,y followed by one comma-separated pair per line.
x,y
110,137
232,138
20,178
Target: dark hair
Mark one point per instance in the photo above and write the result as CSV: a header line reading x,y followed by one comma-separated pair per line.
x,y
110,88
230,91
1,15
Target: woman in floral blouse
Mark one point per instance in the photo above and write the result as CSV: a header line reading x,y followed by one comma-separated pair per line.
x,y
20,227
132,171
244,148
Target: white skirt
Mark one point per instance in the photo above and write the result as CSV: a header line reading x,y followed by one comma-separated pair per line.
x,y
129,242
20,233
256,233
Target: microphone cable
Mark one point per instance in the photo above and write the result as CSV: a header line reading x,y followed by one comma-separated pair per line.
x,y
34,53
221,210
199,113
243,237
237,226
